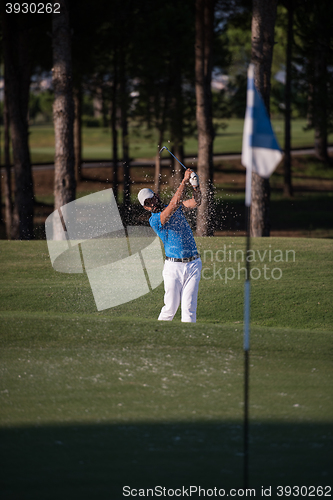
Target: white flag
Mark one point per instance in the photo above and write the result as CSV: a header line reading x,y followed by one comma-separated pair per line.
x,y
260,152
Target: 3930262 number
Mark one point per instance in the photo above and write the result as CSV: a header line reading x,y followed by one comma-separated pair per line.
x,y
32,8
304,491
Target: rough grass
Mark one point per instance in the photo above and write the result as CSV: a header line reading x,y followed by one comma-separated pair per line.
x,y
93,401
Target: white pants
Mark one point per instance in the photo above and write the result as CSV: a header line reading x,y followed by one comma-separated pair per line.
x,y
181,284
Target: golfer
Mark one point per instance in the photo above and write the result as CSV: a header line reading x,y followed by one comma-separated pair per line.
x,y
182,267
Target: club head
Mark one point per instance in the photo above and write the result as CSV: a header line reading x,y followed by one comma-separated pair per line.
x,y
162,149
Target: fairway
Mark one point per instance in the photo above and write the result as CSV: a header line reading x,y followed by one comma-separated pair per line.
x,y
97,142
93,401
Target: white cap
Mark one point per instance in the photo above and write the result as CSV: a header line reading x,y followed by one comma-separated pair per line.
x,y
144,194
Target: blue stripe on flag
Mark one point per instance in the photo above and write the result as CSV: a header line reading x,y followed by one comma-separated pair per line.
x,y
262,132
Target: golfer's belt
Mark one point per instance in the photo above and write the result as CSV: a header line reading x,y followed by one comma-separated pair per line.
x,y
186,259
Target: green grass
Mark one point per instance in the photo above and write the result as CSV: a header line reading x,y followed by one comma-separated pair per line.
x,y
97,142
92,401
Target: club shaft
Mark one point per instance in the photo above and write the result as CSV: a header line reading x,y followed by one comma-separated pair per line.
x,y
164,147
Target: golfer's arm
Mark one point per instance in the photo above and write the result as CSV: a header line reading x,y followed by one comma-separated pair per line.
x,y
195,201
175,203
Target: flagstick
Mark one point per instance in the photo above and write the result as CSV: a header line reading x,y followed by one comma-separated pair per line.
x,y
247,327
260,150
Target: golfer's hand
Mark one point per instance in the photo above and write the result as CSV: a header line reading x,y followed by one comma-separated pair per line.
x,y
194,180
187,176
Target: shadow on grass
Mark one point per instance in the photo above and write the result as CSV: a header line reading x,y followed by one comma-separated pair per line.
x,y
96,461
306,213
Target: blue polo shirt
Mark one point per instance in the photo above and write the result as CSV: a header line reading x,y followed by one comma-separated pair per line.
x,y
176,235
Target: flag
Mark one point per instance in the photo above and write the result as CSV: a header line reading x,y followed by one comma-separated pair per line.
x,y
260,152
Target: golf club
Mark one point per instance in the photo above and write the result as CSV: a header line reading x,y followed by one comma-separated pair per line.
x,y
164,147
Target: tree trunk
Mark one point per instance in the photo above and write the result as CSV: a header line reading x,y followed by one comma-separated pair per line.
x,y
17,71
287,186
322,44
177,169
114,130
2,217
105,108
8,174
161,128
124,133
263,22
309,111
316,35
77,134
157,180
63,112
204,25
177,135
126,160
